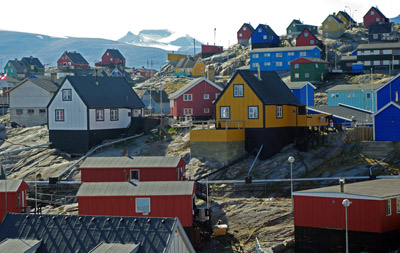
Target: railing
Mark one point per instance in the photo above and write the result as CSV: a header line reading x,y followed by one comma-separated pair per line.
x,y
218,124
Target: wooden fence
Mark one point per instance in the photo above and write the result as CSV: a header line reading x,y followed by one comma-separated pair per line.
x,y
364,133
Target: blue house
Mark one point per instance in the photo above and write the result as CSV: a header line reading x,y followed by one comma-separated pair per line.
x,y
387,122
388,92
152,101
263,36
304,92
361,96
279,58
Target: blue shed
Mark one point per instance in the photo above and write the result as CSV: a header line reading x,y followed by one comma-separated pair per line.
x,y
304,92
263,36
388,92
152,101
387,123
279,58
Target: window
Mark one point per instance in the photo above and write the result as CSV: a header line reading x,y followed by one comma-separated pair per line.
x,y
187,111
99,115
267,54
326,26
368,95
114,115
377,19
59,115
255,56
206,110
143,205
111,59
31,111
244,28
329,19
187,97
216,95
225,112
240,35
397,205
296,75
19,111
303,54
259,30
306,75
108,53
388,207
311,42
238,90
134,175
278,54
290,54
267,64
19,199
306,34
278,64
253,112
66,95
351,95
255,65
42,110
296,66
372,13
206,96
264,37
279,112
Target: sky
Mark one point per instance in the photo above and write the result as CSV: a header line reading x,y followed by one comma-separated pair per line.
x,y
113,19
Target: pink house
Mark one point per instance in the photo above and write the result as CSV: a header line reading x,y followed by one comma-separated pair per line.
x,y
374,16
195,99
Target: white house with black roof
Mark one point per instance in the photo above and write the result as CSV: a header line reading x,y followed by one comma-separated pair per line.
x,y
87,110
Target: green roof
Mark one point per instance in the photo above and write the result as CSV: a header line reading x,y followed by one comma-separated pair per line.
x,y
131,162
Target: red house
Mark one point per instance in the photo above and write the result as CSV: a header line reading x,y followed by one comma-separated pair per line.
x,y
373,217
307,38
111,58
195,99
140,168
72,60
374,16
209,50
244,34
16,197
147,199
147,73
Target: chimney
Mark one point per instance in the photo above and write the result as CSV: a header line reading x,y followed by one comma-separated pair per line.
x,y
16,59
53,77
341,184
211,73
31,56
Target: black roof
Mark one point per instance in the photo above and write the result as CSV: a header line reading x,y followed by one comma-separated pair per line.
x,y
308,30
268,29
378,11
33,61
270,88
346,15
20,66
380,28
115,53
248,25
155,95
106,92
72,233
76,58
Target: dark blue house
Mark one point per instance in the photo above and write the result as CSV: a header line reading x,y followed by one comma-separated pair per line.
x,y
304,92
388,92
387,123
263,36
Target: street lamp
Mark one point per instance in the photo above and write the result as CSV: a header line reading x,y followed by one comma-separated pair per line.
x,y
350,15
291,161
346,203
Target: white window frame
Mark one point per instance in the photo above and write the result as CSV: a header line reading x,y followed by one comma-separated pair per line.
x,y
252,112
296,75
138,175
66,95
59,113
388,205
278,55
306,34
312,42
296,65
187,97
265,37
278,64
303,54
206,110
238,90
225,112
206,96
188,111
216,95
114,114
143,212
99,114
290,54
279,112
397,205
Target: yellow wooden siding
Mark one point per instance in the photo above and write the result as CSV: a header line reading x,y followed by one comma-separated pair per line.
x,y
312,120
220,135
344,19
176,57
333,26
288,116
239,105
199,69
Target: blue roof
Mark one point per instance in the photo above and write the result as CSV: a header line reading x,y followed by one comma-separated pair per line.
x,y
73,233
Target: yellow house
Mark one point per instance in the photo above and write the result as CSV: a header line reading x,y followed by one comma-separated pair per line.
x,y
176,57
190,66
345,18
332,27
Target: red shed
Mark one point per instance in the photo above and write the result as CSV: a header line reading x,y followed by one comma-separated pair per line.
x,y
148,199
244,34
16,197
307,38
140,168
373,217
374,16
112,57
195,99
209,50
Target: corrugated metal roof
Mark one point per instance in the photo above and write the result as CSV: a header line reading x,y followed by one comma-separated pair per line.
x,y
19,245
72,233
116,248
355,87
345,112
12,185
33,61
348,58
395,45
298,85
131,162
136,189
190,85
45,83
379,188
282,49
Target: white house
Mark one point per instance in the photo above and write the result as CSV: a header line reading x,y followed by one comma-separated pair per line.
x,y
29,99
87,110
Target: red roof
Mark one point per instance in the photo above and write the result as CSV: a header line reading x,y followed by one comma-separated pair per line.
x,y
308,60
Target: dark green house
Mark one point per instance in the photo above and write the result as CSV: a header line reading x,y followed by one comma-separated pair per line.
x,y
34,65
308,69
296,27
16,69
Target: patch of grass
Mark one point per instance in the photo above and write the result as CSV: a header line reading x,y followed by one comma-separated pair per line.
x,y
173,86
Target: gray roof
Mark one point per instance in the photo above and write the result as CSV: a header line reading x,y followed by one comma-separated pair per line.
x,y
379,46
19,66
116,248
191,84
12,185
188,62
348,58
110,92
136,189
379,188
33,61
282,49
73,233
19,245
131,162
298,85
355,87
344,112
76,58
42,82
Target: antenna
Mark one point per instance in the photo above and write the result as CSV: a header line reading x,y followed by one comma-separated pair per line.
x,y
215,35
194,47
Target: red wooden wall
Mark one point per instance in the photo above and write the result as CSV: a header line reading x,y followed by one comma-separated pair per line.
x,y
160,206
305,41
211,49
106,59
245,34
12,201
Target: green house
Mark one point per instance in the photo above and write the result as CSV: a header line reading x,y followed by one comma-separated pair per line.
x,y
308,69
33,65
296,27
16,69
